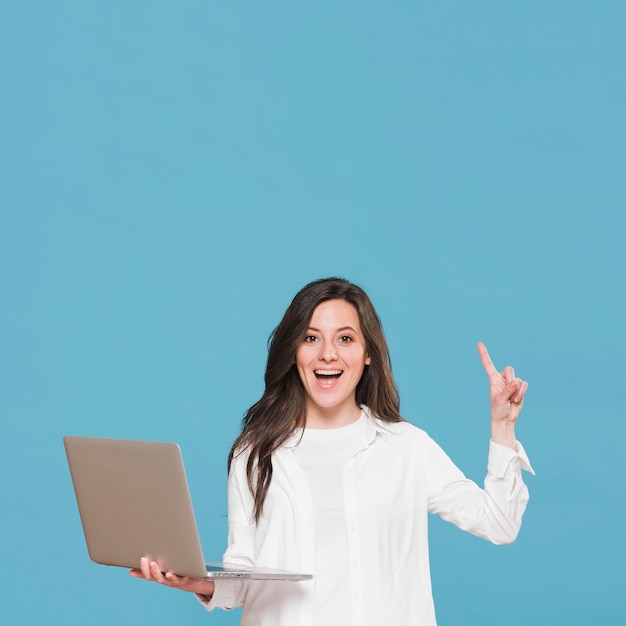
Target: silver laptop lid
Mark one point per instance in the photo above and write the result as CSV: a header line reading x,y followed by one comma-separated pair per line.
x,y
134,501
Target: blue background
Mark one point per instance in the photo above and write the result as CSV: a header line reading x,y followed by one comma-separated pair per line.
x,y
172,173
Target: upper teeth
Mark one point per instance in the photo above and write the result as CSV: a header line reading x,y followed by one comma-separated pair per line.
x,y
328,372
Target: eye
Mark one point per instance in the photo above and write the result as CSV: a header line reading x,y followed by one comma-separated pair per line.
x,y
345,339
310,339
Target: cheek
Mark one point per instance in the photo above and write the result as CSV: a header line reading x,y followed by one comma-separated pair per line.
x,y
300,358
363,359
302,376
301,365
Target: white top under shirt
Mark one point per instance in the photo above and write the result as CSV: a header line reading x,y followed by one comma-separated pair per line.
x,y
322,455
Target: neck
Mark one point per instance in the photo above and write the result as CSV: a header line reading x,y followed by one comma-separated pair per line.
x,y
336,417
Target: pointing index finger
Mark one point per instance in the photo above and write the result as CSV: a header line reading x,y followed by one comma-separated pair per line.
x,y
486,359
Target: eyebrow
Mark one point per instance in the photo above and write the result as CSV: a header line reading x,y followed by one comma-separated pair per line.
x,y
338,330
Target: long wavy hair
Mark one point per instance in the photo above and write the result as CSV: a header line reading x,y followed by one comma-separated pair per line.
x,y
268,423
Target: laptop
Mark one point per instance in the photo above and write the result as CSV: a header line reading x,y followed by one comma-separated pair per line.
x,y
134,501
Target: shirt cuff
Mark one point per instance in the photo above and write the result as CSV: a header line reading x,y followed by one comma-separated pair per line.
x,y
227,595
204,601
502,457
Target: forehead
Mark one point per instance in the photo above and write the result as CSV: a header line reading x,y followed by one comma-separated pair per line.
x,y
335,313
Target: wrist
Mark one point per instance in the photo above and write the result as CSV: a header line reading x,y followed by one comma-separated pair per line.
x,y
503,433
207,591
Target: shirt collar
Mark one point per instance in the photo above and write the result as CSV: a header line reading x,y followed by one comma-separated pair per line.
x,y
373,427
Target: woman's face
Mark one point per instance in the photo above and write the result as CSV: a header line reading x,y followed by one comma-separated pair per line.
x,y
330,361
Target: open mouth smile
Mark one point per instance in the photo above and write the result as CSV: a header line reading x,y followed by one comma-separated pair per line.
x,y
326,379
327,374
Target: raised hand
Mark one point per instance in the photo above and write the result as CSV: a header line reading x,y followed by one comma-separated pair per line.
x,y
506,393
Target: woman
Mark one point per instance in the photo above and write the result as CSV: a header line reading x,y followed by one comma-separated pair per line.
x,y
327,477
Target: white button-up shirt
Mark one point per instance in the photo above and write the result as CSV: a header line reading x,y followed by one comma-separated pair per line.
x,y
397,476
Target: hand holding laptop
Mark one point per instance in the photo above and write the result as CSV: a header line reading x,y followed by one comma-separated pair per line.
x,y
150,570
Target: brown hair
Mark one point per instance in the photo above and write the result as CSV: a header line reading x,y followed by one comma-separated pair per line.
x,y
281,410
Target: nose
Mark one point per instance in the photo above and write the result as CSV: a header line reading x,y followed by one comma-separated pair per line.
x,y
328,352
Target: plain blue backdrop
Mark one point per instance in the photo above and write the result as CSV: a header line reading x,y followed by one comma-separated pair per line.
x,y
172,173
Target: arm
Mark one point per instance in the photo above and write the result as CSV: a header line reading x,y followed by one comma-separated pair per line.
x,y
231,593
495,512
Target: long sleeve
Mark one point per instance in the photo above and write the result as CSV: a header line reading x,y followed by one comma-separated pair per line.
x,y
493,513
282,539
230,593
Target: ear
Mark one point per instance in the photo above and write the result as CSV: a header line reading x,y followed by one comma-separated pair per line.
x,y
368,359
